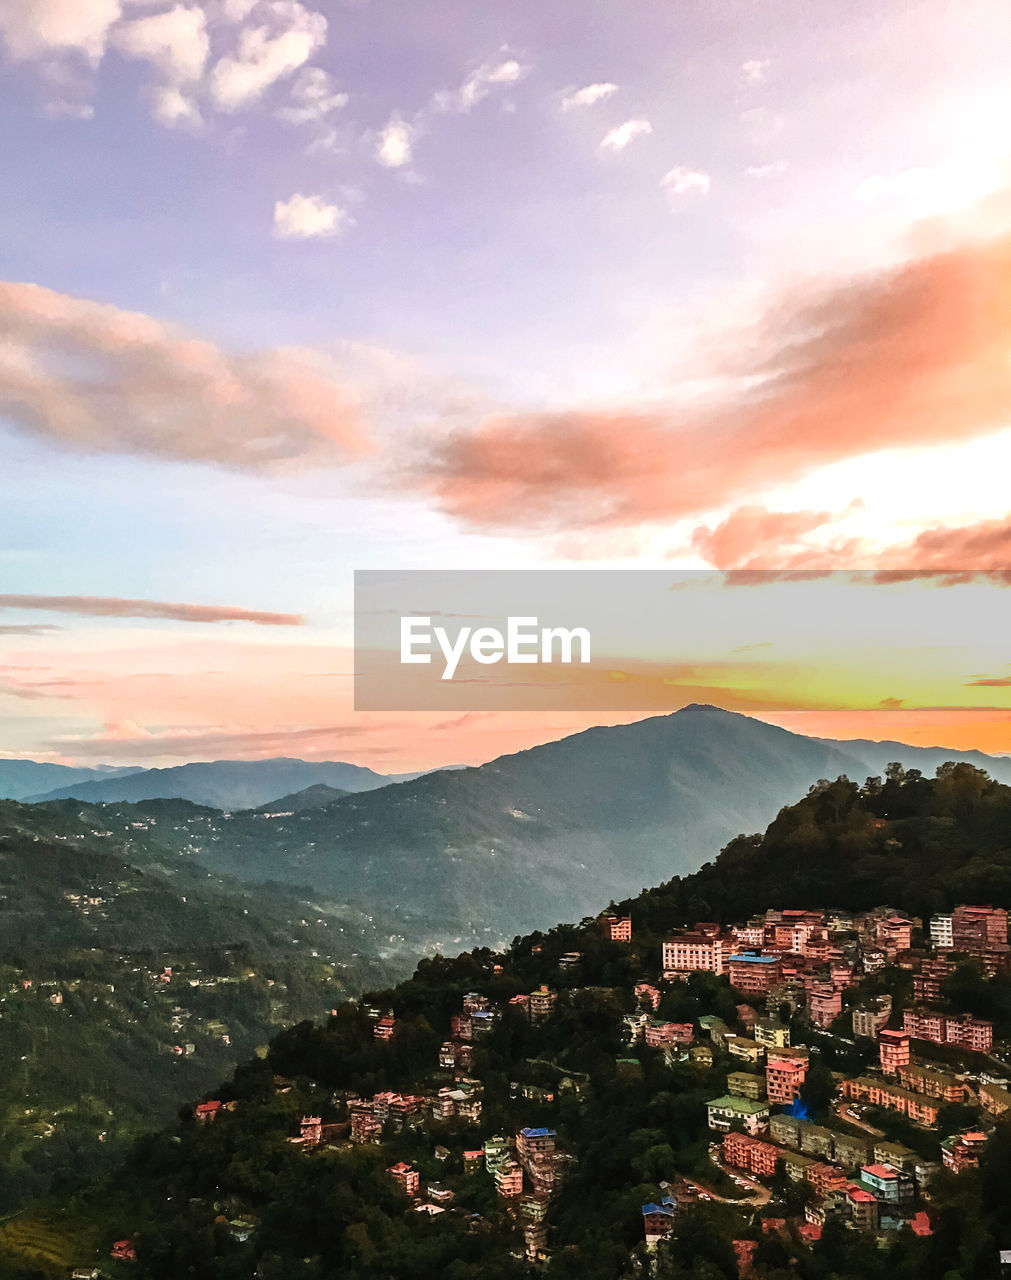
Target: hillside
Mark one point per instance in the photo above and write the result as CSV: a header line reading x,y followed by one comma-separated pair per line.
x,y
314,797
623,1123
221,784
124,988
478,855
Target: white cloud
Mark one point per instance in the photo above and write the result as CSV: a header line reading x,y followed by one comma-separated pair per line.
x,y
394,148
175,42
171,107
267,53
755,70
617,139
39,28
313,97
478,85
772,170
681,182
306,217
588,95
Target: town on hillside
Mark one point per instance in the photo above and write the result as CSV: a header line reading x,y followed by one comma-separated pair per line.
x,y
793,1144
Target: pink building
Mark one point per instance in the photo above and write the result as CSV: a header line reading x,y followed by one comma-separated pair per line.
x,y
408,1178
754,973
784,1077
962,1030
384,1028
693,953
619,928
824,1002
893,1048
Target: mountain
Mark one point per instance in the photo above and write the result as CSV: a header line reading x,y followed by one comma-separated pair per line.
x,y
481,854
125,986
597,1124
222,784
22,778
313,797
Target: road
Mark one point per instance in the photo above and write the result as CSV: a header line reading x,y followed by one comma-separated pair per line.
x,y
846,1112
759,1194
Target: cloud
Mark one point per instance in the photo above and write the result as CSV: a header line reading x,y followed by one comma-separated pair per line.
x,y
313,98
36,29
588,96
307,217
131,740
915,354
478,85
267,53
27,629
99,379
680,182
618,138
171,107
115,607
989,682
772,170
394,149
755,70
176,42
751,535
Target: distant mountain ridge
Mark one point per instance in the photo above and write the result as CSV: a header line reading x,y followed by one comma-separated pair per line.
x,y
223,784
20,779
481,854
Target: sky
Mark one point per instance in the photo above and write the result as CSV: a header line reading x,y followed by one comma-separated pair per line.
x,y
290,289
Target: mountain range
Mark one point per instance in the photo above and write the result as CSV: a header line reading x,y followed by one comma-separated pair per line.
x,y
478,855
221,784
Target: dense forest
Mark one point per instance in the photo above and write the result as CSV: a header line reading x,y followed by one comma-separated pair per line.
x,y
237,1198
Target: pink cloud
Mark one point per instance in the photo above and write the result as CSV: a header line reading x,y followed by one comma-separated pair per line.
x,y
115,607
913,355
105,380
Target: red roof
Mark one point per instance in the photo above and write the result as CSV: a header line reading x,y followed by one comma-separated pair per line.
x,y
204,1107
880,1171
920,1224
860,1196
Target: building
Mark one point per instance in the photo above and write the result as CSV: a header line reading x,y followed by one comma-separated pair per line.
x,y
941,932
205,1112
893,1049
824,1003
979,929
645,994
932,1083
384,1028
747,1050
870,1019
961,1029
962,1151
619,928
751,1154
894,934
824,1177
772,1033
659,1035
728,1111
784,1078
994,1098
880,1093
542,1004
509,1180
754,973
408,1179
658,1220
888,1185
742,1084
862,1208
692,953
311,1131
535,1144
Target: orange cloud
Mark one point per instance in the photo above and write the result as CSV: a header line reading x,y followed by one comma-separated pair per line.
x,y
913,355
114,607
105,380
